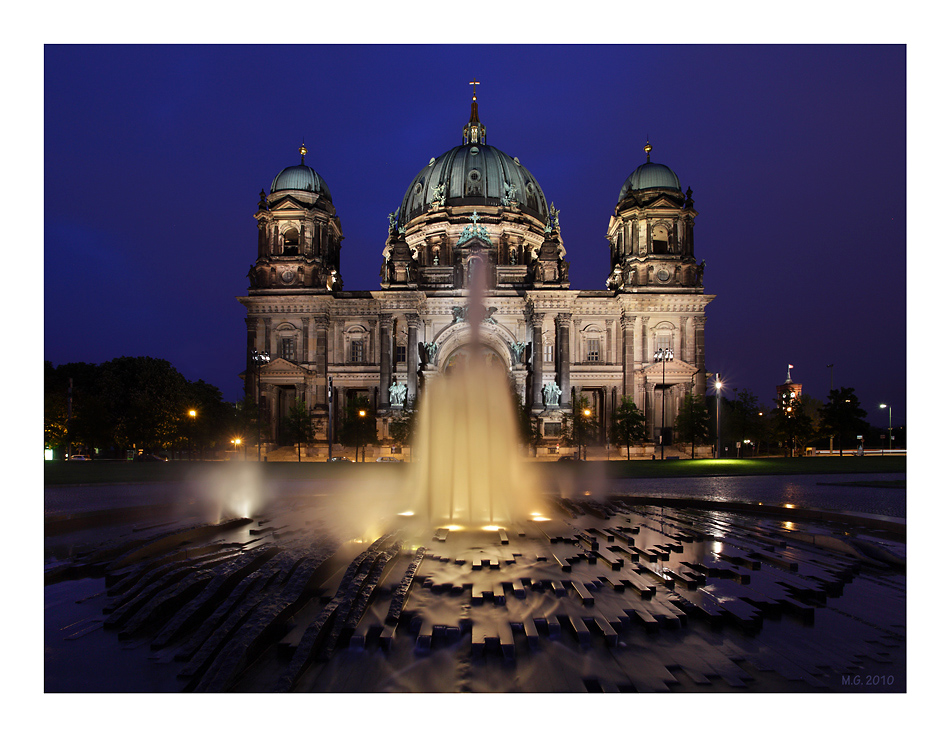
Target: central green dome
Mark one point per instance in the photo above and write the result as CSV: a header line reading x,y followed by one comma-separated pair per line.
x,y
474,174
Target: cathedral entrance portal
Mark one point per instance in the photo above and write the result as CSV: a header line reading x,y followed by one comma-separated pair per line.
x,y
464,355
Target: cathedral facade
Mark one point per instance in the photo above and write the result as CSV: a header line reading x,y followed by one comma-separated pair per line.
x,y
475,209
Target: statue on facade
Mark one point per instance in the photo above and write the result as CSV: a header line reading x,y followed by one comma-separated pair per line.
x,y
702,266
459,314
552,394
334,281
393,221
431,349
562,267
615,280
538,271
513,257
517,352
508,199
438,196
397,394
262,205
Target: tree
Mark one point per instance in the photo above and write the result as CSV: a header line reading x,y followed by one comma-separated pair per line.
x,y
580,425
743,418
842,417
692,422
627,424
529,430
402,429
299,425
793,422
130,402
359,425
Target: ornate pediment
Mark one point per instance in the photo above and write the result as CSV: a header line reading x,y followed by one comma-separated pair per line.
x,y
280,368
676,371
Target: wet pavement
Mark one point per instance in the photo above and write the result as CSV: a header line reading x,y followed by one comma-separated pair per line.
x,y
162,589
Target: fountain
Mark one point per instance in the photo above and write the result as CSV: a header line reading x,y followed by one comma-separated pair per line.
x,y
468,470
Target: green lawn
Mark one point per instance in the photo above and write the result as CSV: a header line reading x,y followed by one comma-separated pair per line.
x,y
119,472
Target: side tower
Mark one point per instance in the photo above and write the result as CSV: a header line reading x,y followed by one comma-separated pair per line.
x,y
298,234
292,286
659,287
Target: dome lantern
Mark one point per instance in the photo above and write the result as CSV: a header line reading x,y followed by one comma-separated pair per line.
x,y
474,131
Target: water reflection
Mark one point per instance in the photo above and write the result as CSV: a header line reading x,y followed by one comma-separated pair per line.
x,y
820,491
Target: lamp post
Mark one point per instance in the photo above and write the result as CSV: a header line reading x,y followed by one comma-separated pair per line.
x,y
584,431
237,443
191,449
260,360
362,414
718,404
831,440
663,355
329,418
890,429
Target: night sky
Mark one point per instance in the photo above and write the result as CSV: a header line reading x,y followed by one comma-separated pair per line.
x,y
154,157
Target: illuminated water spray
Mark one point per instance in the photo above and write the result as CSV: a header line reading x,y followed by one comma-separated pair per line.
x,y
467,468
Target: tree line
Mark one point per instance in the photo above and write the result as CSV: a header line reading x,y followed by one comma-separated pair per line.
x,y
136,403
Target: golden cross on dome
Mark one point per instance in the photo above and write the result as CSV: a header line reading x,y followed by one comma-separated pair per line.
x,y
302,150
648,148
473,83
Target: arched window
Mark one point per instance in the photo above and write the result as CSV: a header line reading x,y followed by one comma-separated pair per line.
x,y
664,337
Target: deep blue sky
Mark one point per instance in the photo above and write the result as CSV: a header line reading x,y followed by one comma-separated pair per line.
x,y
154,157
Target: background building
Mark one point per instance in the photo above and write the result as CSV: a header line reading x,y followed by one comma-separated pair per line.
x,y
474,202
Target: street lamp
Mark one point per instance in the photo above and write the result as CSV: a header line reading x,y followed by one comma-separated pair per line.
x,y
260,360
191,450
663,355
329,418
584,431
236,443
362,414
890,430
718,404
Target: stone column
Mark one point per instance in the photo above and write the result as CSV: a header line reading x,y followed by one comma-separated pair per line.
x,y
412,358
268,337
563,326
321,324
650,409
638,340
629,325
701,351
689,331
385,359
537,361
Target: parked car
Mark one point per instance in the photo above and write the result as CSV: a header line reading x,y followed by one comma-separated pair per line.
x,y
148,457
339,459
79,458
567,458
388,459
